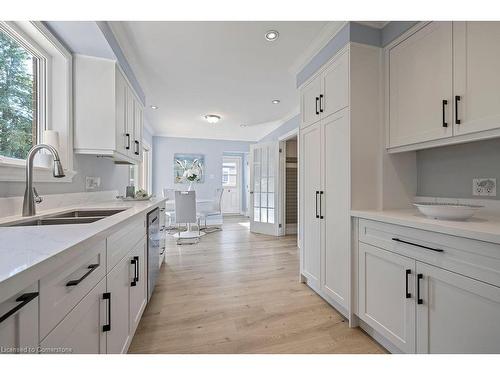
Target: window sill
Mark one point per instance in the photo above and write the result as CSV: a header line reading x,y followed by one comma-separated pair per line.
x,y
15,171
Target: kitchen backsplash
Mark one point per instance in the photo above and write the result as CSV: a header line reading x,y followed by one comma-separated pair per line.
x,y
448,171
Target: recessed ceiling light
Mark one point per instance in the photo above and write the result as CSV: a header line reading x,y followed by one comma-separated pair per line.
x,y
272,35
154,107
212,119
276,101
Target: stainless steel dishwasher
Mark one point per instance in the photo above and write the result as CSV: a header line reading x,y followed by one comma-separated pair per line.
x,y
153,230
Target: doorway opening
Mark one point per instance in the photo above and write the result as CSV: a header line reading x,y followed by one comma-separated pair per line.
x,y
289,188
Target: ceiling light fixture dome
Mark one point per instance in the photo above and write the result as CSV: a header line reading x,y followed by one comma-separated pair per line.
x,y
154,107
272,35
276,101
212,119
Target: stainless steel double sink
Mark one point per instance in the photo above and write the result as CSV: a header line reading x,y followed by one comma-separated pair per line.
x,y
70,217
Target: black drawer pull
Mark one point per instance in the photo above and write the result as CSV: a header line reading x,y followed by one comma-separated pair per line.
x,y
321,103
408,273
24,299
320,205
317,215
134,261
136,148
445,124
91,268
107,327
127,147
415,244
457,99
317,99
137,262
419,300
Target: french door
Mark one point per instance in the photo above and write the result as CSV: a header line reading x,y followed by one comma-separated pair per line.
x,y
264,168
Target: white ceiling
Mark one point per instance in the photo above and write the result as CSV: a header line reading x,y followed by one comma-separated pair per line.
x,y
189,69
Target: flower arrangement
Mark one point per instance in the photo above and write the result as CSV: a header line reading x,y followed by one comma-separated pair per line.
x,y
188,170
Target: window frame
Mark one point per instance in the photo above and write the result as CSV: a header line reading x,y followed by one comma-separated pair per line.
x,y
57,91
42,84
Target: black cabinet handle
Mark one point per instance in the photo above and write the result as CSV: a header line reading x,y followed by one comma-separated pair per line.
x,y
127,147
91,269
317,215
107,327
408,273
415,244
457,99
445,103
135,279
24,299
317,99
419,300
321,103
137,262
136,147
320,205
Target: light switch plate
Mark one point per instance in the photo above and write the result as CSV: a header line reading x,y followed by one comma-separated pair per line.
x,y
484,187
92,183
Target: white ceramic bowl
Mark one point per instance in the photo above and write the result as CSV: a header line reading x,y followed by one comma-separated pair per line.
x,y
447,211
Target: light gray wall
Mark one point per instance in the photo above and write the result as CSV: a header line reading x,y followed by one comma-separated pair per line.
x,y
164,149
287,127
113,177
448,171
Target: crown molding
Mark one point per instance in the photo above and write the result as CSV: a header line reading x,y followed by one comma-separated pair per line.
x,y
325,35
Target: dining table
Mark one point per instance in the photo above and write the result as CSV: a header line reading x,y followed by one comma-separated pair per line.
x,y
189,233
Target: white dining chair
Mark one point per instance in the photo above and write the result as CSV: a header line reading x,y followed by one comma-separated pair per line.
x,y
214,209
185,213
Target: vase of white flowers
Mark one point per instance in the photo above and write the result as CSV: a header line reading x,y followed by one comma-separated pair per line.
x,y
192,173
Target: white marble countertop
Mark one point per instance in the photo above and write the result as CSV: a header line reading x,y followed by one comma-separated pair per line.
x,y
483,227
26,251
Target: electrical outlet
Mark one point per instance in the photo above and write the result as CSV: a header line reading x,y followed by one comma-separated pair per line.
x,y
484,187
92,183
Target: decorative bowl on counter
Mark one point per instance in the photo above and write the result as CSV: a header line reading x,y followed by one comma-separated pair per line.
x,y
447,211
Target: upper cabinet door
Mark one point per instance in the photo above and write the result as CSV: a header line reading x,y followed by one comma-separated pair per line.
x,y
129,123
420,81
476,78
138,122
457,314
335,82
309,102
122,141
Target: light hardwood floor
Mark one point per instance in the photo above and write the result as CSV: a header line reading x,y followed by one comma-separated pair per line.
x,y
238,292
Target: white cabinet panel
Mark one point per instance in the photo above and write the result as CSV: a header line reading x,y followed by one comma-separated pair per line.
x,y
335,208
81,331
476,75
309,102
118,285
19,328
457,314
138,124
122,141
335,86
310,149
385,279
138,288
420,79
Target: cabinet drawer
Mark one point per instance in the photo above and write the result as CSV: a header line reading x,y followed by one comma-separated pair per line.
x,y
61,290
476,259
124,240
81,331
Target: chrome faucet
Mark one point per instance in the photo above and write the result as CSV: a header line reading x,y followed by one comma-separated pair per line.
x,y
30,194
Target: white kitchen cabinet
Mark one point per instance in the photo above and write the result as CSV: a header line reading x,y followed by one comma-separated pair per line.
x,y
338,169
81,331
476,78
387,296
335,207
309,102
108,114
327,92
457,314
421,86
118,286
19,322
310,159
138,285
335,86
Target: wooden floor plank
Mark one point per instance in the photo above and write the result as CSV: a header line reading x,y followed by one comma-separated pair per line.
x,y
238,292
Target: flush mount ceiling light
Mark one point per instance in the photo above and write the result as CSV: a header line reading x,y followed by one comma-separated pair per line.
x,y
154,107
272,35
243,125
212,119
276,101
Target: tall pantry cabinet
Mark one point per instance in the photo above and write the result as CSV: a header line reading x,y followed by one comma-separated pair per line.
x,y
340,164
